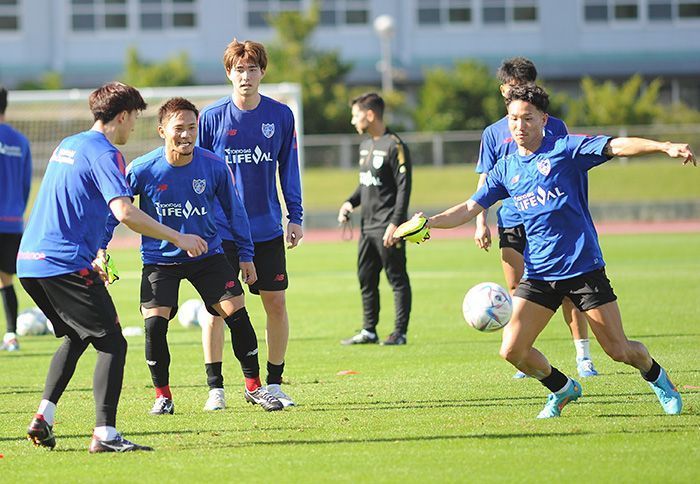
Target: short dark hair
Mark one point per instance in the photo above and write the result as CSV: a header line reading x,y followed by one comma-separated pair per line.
x,y
172,106
241,51
534,95
108,101
370,101
3,99
517,70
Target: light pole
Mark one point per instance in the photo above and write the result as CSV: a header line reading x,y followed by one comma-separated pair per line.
x,y
384,26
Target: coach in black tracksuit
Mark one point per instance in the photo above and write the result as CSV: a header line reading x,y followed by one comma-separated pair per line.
x,y
383,193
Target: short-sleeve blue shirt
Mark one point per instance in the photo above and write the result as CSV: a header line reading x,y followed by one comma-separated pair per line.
x,y
85,173
549,190
497,142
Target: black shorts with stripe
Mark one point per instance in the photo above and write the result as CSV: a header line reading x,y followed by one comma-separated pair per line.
x,y
212,277
270,264
513,238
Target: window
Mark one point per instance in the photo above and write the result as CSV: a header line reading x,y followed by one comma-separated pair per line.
x,y
606,10
499,12
688,9
659,10
9,15
167,14
260,10
434,12
91,15
344,12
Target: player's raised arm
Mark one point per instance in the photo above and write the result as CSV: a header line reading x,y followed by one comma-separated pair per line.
x,y
455,216
642,146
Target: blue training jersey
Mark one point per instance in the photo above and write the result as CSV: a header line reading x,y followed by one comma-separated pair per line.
x,y
184,198
550,192
15,179
85,173
255,144
497,142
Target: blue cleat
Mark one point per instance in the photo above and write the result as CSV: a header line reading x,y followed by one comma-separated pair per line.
x,y
585,368
668,396
519,375
557,401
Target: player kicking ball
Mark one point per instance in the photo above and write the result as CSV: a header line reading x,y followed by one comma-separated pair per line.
x,y
547,179
84,181
180,185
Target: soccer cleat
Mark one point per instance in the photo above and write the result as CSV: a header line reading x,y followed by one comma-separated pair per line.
x,y
163,406
216,400
364,337
395,339
10,345
118,444
40,433
262,397
557,401
519,375
585,368
276,391
667,394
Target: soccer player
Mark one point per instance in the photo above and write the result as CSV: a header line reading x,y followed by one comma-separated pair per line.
x,y
15,182
383,193
256,137
57,265
497,142
547,178
179,185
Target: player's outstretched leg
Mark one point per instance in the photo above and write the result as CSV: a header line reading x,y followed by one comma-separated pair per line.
x,y
561,395
63,363
245,347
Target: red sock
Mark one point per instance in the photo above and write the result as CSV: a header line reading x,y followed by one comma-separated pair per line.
x,y
164,392
252,384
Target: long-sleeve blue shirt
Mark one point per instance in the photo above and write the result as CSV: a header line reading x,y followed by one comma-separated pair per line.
x,y
256,144
184,198
15,179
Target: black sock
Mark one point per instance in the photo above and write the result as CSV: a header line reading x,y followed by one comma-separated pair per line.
x,y
157,352
244,342
274,373
555,381
108,378
653,374
9,300
214,377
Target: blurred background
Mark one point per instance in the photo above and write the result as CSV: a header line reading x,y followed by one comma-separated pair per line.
x,y
621,67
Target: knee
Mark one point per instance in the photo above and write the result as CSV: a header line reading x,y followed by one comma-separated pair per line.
x,y
277,306
156,326
512,353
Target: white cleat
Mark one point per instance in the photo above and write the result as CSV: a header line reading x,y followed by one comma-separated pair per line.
x,y
216,400
276,391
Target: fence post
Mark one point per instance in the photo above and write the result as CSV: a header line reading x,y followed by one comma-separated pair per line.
x,y
438,150
345,153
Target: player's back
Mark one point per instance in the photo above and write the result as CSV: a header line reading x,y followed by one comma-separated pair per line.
x,y
84,173
15,178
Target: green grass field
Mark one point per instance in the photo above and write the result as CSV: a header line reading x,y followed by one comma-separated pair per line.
x,y
442,408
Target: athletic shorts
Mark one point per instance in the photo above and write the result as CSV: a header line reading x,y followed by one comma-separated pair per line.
x,y
513,237
270,264
76,304
587,291
212,277
9,246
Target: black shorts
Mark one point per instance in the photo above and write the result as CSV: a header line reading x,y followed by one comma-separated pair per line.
x,y
9,246
513,237
76,304
270,264
212,277
587,291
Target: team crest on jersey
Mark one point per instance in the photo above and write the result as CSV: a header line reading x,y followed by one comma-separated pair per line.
x,y
377,161
515,179
544,166
199,186
268,129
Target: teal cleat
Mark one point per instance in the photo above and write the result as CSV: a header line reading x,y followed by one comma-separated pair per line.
x,y
557,401
668,396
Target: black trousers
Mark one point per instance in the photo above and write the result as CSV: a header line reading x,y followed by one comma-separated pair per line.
x,y
371,258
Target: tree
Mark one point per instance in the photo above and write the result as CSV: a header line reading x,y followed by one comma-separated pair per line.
x,y
466,97
320,73
174,71
606,104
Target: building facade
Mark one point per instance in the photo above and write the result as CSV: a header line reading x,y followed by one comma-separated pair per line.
x,y
86,40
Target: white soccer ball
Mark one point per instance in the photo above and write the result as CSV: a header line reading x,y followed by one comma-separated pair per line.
x,y
203,315
31,322
487,307
187,314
